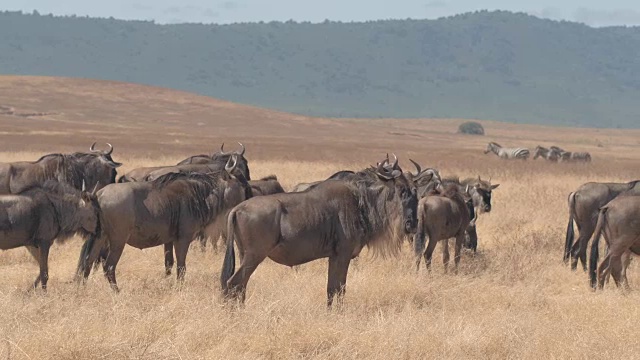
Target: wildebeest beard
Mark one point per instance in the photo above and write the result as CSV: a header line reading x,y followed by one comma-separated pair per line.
x,y
380,217
64,200
203,195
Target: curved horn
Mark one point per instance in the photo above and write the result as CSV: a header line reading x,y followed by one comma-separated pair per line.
x,y
228,167
243,149
418,168
222,150
395,161
84,186
93,192
108,152
92,148
383,172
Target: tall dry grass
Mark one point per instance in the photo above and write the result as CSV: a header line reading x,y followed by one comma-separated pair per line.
x,y
513,299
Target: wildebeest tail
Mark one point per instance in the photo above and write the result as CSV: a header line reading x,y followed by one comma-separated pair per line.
x,y
86,249
593,260
229,264
568,241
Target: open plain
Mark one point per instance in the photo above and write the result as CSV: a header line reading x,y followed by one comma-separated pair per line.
x,y
513,299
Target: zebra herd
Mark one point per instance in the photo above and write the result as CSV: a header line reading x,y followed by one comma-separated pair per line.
x,y
553,153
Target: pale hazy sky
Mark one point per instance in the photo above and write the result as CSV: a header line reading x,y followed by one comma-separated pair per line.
x,y
591,12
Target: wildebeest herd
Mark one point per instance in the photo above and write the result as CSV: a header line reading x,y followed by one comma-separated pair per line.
x,y
213,196
552,154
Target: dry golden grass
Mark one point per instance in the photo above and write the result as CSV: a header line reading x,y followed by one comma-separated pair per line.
x,y
513,299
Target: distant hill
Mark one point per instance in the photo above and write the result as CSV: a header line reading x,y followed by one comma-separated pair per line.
x,y
486,65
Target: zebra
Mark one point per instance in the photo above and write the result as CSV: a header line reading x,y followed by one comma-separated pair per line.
x,y
569,156
548,154
507,153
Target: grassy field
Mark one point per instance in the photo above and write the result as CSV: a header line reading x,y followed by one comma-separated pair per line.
x,y
513,299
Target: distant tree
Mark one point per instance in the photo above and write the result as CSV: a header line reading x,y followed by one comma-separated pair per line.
x,y
471,128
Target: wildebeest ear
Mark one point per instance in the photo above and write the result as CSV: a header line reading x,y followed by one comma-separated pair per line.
x,y
494,186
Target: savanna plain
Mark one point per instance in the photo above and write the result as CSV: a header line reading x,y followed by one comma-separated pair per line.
x,y
514,298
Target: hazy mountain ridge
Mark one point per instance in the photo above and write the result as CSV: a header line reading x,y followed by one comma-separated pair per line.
x,y
491,65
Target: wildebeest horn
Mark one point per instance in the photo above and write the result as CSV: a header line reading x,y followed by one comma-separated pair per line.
x,y
243,149
92,148
385,173
395,161
228,167
418,168
93,192
108,152
84,186
222,150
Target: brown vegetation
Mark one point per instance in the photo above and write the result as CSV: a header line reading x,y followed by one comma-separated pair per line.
x,y
514,299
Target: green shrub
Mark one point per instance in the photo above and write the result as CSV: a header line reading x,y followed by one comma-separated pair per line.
x,y
471,128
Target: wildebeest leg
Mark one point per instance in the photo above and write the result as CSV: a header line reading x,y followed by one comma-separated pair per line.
x,y
36,255
44,265
111,263
457,250
168,258
445,254
237,284
603,270
428,254
337,280
626,261
615,266
182,247
579,248
473,238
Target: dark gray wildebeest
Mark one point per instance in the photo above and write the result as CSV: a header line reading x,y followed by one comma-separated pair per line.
x,y
507,153
171,209
196,163
480,192
442,214
340,175
37,216
95,168
266,186
215,157
619,220
584,205
334,220
545,153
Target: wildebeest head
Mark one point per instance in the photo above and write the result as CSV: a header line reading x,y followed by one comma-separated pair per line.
x,y
98,167
241,162
242,186
405,191
423,178
480,191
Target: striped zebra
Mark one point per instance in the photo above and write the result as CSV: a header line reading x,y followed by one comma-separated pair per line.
x,y
569,156
547,154
507,153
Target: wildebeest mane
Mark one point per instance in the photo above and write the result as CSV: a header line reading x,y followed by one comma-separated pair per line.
x,y
63,168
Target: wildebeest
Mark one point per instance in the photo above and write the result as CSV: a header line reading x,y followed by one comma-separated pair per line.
x,y
340,175
507,153
442,214
38,215
95,168
334,219
196,163
619,220
584,205
547,154
215,157
171,209
266,186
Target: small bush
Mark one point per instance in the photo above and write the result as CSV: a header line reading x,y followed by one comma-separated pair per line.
x,y
471,128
